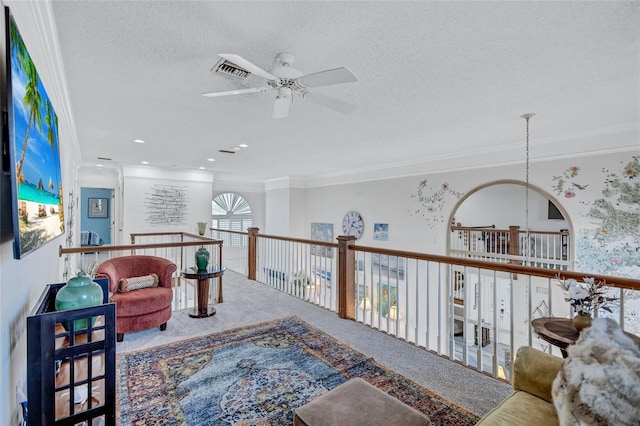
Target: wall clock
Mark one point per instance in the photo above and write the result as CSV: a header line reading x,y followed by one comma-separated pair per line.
x,y
352,224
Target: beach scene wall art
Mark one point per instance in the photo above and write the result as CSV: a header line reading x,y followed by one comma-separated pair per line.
x,y
34,151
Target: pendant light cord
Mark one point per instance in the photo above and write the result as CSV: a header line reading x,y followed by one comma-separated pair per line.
x,y
526,192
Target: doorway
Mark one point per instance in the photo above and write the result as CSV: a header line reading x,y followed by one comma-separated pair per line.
x,y
96,211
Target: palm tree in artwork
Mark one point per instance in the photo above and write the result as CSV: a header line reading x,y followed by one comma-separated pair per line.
x,y
32,98
33,101
52,122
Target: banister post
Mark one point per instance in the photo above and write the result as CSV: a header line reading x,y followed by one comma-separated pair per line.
x,y
514,241
346,277
251,256
514,245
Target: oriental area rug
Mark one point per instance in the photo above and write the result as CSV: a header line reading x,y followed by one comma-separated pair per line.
x,y
255,375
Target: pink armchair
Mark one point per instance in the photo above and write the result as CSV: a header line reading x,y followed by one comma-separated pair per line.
x,y
143,308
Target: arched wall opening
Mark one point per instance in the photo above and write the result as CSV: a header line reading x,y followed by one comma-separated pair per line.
x,y
503,203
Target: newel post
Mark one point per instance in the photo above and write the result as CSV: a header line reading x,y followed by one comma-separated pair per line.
x,y
514,245
346,278
251,256
514,241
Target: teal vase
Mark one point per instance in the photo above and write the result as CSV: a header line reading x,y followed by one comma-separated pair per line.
x,y
202,259
79,292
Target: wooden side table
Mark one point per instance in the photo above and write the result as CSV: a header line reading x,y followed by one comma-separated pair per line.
x,y
561,333
203,310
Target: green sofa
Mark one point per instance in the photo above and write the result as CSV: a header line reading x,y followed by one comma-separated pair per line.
x,y
531,402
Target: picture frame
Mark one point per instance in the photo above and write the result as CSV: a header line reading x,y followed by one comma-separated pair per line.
x,y
98,208
37,212
381,231
387,296
322,232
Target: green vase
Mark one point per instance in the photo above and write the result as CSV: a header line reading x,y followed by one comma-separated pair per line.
x,y
79,292
202,259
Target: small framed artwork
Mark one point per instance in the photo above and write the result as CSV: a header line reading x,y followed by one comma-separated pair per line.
x,y
98,207
381,231
322,232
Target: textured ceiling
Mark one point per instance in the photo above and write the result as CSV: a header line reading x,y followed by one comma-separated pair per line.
x,y
437,80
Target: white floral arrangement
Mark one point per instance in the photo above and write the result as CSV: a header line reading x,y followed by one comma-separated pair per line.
x,y
586,297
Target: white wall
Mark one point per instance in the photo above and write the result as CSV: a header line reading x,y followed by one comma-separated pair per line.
x,y
502,205
277,212
138,183
22,280
418,208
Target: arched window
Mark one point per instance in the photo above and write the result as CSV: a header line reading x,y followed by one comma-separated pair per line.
x,y
231,212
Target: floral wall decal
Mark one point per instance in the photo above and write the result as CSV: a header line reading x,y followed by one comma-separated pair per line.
x,y
431,201
614,245
566,184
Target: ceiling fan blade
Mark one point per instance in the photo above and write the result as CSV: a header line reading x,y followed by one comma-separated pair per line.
x,y
236,92
281,106
327,78
333,103
243,63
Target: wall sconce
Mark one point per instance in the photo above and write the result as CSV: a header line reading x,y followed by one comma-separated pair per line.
x,y
501,374
393,313
365,304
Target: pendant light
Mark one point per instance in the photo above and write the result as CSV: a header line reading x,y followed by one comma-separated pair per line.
x,y
527,117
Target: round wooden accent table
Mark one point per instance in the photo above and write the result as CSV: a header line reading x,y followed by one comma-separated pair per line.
x,y
203,310
561,333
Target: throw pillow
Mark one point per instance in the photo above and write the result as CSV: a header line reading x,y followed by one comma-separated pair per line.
x,y
136,283
599,383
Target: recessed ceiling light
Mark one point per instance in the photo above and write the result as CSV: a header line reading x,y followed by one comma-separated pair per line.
x,y
144,162
138,141
211,159
243,145
201,168
98,165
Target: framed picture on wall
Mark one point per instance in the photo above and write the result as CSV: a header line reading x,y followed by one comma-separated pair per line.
x,y
322,232
98,207
32,157
381,231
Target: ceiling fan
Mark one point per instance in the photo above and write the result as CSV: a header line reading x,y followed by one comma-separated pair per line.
x,y
287,81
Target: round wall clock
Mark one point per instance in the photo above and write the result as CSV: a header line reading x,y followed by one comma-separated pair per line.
x,y
352,224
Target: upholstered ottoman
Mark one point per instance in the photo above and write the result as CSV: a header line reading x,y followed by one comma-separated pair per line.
x,y
357,403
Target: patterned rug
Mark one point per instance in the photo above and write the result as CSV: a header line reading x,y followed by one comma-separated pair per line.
x,y
256,375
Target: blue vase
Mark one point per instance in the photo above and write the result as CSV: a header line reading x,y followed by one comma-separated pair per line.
x,y
79,292
202,259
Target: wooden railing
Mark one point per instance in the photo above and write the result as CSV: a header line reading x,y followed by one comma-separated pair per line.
x,y
544,249
412,295
179,247
473,311
235,248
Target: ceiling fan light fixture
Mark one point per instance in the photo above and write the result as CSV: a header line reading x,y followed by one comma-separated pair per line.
x,y
284,92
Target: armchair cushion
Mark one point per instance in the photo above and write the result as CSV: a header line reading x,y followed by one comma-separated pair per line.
x,y
135,283
531,402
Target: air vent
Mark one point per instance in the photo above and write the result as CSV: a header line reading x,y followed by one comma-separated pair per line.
x,y
104,158
227,151
228,69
